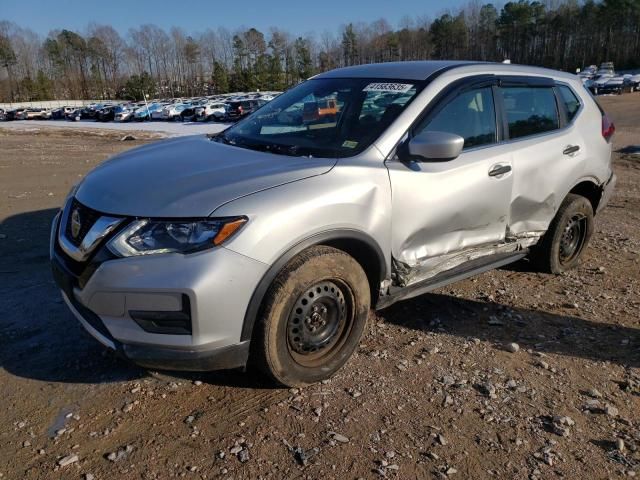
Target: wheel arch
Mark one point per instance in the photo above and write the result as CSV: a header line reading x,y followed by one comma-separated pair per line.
x,y
361,246
589,189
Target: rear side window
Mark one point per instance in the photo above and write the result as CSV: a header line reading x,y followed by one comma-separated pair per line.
x,y
470,115
571,102
530,110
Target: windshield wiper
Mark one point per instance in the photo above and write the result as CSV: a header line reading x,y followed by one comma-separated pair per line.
x,y
220,137
275,148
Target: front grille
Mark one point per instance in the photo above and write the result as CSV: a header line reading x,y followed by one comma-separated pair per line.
x,y
87,218
81,271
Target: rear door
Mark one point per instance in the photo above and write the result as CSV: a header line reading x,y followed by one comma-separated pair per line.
x,y
442,209
547,150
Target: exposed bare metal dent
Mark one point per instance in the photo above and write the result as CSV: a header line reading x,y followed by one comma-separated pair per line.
x,y
404,275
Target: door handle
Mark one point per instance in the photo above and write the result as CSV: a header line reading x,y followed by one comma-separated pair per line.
x,y
571,149
499,170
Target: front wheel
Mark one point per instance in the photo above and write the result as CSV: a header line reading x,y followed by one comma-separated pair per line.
x,y
564,243
312,318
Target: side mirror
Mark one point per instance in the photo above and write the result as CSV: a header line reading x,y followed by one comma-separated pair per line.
x,y
436,146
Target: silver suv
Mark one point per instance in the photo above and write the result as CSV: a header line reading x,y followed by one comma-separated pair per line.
x,y
268,243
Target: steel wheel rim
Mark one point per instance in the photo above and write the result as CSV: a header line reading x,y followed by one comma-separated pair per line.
x,y
320,322
572,239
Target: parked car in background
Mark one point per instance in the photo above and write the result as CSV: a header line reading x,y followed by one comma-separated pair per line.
x,y
123,113
106,114
598,82
60,112
145,112
211,111
157,114
33,114
2,115
174,111
614,84
606,68
271,240
74,115
13,114
189,112
588,73
90,111
241,108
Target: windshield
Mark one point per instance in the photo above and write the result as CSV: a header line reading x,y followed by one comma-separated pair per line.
x,y
335,117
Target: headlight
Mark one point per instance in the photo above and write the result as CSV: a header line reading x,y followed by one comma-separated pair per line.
x,y
146,237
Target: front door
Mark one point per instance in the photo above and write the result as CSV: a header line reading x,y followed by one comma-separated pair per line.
x,y
444,210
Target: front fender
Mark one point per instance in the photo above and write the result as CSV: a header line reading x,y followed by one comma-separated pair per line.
x,y
318,239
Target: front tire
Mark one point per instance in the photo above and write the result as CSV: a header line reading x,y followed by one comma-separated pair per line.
x,y
312,318
564,243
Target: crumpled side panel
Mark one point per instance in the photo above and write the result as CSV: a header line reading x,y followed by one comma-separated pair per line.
x,y
404,274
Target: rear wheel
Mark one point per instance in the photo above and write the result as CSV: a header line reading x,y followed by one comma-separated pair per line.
x,y
313,317
564,243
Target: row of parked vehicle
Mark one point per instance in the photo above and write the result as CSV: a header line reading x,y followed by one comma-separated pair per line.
x,y
222,108
604,79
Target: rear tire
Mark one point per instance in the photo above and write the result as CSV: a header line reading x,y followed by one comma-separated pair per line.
x,y
312,318
563,245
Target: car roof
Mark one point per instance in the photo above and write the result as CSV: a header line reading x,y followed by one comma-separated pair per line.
x,y
415,70
422,70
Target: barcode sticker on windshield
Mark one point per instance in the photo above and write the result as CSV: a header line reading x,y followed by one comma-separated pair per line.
x,y
388,87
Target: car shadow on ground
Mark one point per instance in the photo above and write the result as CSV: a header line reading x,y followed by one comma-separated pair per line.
x,y
500,324
630,149
41,340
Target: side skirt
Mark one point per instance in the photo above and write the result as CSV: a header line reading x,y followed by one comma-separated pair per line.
x,y
466,270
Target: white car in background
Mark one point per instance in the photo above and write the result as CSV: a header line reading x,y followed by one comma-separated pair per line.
x,y
172,112
211,111
597,83
157,113
36,114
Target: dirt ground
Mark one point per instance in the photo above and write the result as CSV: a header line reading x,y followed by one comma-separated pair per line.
x,y
433,391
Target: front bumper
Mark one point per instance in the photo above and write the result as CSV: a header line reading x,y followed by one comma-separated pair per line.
x,y
218,284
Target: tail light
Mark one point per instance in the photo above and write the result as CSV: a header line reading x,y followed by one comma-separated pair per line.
x,y
240,109
608,128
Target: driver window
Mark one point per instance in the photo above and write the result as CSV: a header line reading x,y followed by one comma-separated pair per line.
x,y
470,115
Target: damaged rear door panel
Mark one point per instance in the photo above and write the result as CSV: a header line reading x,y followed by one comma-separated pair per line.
x,y
545,164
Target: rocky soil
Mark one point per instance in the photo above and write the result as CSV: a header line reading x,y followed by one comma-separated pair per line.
x,y
512,374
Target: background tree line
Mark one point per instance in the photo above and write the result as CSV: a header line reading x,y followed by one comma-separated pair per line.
x,y
101,63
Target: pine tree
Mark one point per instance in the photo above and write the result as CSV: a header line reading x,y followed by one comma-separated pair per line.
x,y
220,78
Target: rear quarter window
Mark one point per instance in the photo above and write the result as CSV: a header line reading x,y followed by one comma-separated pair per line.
x,y
571,102
530,110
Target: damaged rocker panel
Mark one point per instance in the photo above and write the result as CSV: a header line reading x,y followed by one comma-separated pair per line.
x,y
409,281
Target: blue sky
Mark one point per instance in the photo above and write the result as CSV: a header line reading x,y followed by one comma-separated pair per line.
x,y
299,16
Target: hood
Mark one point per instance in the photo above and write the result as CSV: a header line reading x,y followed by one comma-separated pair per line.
x,y
188,177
